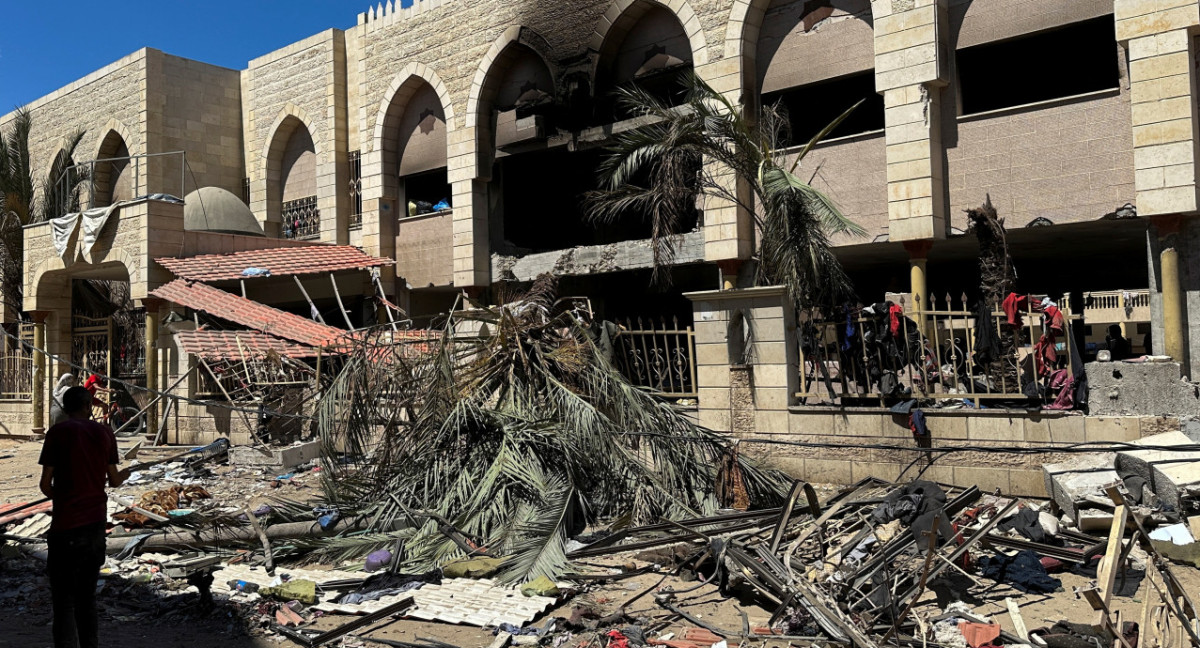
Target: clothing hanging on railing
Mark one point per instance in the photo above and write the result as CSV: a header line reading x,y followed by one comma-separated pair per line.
x,y
1013,305
987,340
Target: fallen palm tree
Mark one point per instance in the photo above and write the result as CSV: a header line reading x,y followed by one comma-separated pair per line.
x,y
506,434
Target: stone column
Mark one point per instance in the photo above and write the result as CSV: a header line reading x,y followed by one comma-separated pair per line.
x,y
468,181
152,319
40,388
918,251
910,74
1174,337
1162,90
728,226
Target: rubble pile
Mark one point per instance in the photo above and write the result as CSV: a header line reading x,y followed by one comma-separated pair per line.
x,y
874,564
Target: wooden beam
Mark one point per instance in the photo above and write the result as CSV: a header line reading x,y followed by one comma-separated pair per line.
x,y
1107,573
341,306
311,305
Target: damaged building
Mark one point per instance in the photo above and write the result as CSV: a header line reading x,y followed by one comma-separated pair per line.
x,y
372,176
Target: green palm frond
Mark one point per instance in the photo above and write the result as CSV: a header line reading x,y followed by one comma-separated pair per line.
x,y
657,172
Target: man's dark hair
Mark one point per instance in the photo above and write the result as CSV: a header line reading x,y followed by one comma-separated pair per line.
x,y
77,399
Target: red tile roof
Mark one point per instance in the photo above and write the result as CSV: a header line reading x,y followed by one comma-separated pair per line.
x,y
280,261
231,345
251,314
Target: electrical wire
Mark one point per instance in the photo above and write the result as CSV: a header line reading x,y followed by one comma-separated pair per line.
x,y
1070,448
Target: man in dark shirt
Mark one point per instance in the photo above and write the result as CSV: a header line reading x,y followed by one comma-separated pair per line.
x,y
79,455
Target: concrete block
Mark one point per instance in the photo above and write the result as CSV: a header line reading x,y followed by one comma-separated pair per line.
x,y
1071,482
282,458
1176,483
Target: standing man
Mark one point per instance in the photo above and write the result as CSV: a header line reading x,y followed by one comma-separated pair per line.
x,y
79,455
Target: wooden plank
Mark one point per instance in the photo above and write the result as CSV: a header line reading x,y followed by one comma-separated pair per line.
x,y
315,310
1107,573
1014,613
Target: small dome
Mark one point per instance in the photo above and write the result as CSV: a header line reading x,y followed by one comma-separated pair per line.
x,y
213,209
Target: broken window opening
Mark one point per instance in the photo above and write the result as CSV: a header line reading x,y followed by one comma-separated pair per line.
x,y
1071,60
539,215
812,107
426,193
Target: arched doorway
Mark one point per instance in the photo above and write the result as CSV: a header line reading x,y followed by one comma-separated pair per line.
x,y
112,176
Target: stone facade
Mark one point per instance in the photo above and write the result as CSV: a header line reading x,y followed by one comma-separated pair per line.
x,y
1070,160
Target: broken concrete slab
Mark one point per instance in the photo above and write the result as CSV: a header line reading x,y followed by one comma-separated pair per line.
x,y
282,458
1176,483
1072,483
1140,389
1167,472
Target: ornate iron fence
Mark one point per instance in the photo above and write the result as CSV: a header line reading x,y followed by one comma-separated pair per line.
x,y
16,368
658,356
943,351
301,218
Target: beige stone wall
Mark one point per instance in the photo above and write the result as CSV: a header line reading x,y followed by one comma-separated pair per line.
x,y
1068,161
793,50
853,172
1011,473
199,106
973,22
304,82
108,99
422,256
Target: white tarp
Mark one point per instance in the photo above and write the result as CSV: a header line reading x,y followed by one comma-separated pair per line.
x,y
65,228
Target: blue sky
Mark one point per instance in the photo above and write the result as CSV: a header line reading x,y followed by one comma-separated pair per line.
x,y
50,43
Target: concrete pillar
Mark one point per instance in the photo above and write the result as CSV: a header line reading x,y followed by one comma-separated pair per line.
x,y
152,320
1172,297
1170,285
751,393
40,388
729,273
918,251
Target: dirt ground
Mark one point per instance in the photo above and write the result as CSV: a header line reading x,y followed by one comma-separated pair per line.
x,y
145,616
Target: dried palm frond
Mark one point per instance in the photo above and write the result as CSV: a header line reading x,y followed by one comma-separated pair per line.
x,y
511,433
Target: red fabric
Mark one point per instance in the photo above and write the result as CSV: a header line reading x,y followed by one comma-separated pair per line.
x,y
80,451
894,314
1045,355
1052,565
1055,319
979,634
1013,304
617,640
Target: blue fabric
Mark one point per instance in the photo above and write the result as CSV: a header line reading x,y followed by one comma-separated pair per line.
x,y
442,205
1023,571
256,272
